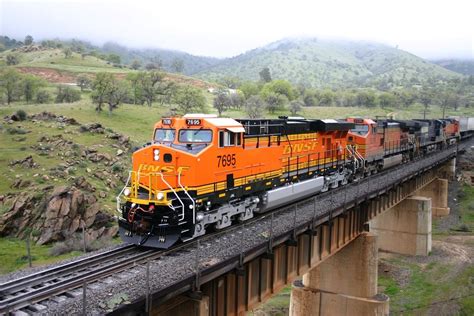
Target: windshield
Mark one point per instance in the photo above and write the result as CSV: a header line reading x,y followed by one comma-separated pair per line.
x,y
164,135
195,136
360,129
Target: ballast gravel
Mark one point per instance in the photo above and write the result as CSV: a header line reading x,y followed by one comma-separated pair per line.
x,y
169,269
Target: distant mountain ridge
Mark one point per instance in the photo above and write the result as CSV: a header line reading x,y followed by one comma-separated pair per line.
x,y
330,63
462,66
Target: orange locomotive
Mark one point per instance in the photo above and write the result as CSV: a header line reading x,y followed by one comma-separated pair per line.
x,y
202,171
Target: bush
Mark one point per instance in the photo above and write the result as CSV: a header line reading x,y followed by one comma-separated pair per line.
x,y
67,95
21,114
13,131
43,97
75,243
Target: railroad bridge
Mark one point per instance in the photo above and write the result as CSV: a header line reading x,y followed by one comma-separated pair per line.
x,y
325,246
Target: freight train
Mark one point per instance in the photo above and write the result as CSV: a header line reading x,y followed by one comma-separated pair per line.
x,y
202,172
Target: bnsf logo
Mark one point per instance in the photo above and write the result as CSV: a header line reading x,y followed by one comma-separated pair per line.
x,y
162,169
296,148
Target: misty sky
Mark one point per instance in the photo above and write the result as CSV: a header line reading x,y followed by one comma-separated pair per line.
x,y
430,29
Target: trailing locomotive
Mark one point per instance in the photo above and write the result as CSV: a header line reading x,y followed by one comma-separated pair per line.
x,y
202,172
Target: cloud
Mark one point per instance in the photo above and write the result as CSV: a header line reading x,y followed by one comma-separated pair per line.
x,y
430,29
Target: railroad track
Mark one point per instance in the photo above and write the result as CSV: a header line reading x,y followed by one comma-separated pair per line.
x,y
58,283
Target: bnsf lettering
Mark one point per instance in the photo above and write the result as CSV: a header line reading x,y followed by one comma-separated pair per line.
x,y
296,148
163,169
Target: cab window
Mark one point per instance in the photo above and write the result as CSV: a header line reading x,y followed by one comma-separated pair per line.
x,y
195,136
164,135
227,138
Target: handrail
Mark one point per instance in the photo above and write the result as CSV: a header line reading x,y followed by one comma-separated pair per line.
x,y
177,196
121,191
189,196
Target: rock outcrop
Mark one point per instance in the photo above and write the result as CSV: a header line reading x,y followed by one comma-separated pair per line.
x,y
56,216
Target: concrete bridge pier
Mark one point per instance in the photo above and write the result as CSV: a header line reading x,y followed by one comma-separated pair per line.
x,y
343,284
437,191
406,227
448,171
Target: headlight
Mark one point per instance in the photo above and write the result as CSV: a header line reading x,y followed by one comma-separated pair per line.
x,y
160,196
126,192
156,154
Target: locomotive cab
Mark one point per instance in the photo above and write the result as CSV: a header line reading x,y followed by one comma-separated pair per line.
x,y
365,138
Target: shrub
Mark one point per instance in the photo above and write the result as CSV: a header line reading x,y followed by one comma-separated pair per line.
x,y
21,114
13,131
67,95
43,97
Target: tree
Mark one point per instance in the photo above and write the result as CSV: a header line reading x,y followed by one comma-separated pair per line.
x,y
12,60
326,98
66,94
231,82
136,64
30,85
236,100
100,88
190,99
249,89
83,82
426,97
42,97
265,75
275,101
28,40
254,106
282,87
149,82
295,107
221,102
386,99
407,98
67,52
10,83
136,87
106,89
365,98
117,93
114,59
177,65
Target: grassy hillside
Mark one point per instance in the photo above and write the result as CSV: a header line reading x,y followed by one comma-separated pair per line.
x,y
322,63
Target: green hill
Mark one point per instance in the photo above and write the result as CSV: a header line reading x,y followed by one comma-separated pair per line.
x,y
323,63
462,66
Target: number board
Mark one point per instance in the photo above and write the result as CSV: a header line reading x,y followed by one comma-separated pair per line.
x,y
193,122
166,121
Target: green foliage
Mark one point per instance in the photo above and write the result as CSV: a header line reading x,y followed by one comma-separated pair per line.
x,y
136,64
28,40
265,75
113,58
386,99
21,114
31,84
190,99
222,101
177,65
65,94
10,84
12,60
295,107
42,97
250,88
83,81
275,101
254,106
281,87
106,89
67,52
